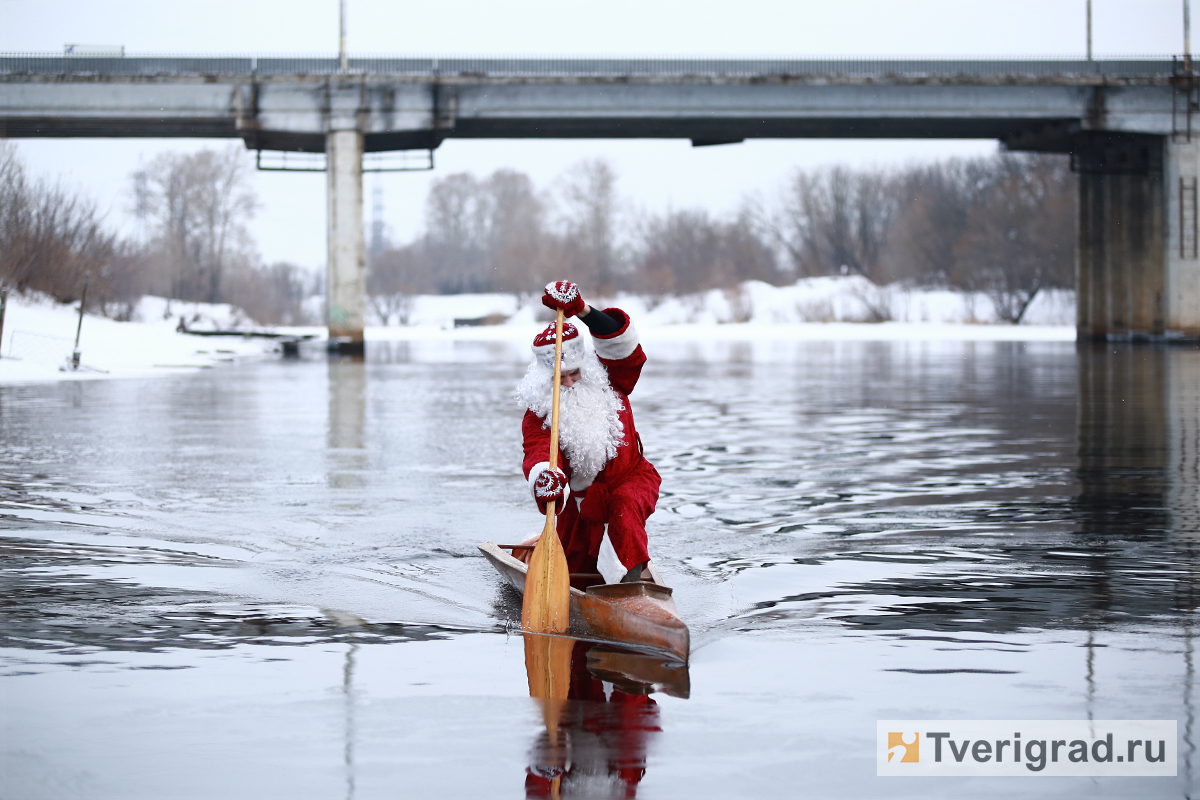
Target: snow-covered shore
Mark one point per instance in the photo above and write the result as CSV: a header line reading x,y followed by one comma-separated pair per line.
x,y
38,335
850,299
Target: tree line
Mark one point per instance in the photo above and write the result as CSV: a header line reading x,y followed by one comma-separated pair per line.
x,y
193,241
1003,225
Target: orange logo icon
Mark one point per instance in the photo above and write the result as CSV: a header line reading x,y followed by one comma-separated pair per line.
x,y
904,747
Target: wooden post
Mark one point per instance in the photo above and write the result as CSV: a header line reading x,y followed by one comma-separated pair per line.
x,y
79,327
3,307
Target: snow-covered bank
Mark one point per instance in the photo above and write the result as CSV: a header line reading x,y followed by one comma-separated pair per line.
x,y
811,300
782,332
811,309
39,334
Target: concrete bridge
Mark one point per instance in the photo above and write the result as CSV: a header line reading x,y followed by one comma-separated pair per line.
x,y
1131,127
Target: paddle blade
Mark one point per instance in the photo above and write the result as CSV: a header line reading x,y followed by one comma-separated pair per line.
x,y
546,607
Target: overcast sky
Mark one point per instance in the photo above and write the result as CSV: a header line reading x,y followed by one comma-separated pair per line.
x,y
653,174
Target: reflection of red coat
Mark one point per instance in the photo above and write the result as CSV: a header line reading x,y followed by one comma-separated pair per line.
x,y
600,732
624,493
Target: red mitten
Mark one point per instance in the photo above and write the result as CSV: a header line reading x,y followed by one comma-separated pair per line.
x,y
550,486
564,295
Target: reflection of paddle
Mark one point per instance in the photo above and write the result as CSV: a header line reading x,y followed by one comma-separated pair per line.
x,y
546,607
548,665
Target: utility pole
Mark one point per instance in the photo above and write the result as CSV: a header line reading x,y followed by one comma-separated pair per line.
x,y
1187,35
1089,29
377,218
342,56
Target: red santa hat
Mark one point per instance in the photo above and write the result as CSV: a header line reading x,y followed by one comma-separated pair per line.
x,y
572,348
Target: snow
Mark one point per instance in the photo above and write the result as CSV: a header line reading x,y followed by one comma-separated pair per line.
x,y
811,309
810,300
39,334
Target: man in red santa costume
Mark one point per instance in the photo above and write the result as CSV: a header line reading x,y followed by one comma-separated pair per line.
x,y
605,488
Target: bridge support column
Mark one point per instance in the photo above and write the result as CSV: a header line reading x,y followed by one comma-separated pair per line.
x,y
1120,265
1138,266
345,292
1182,172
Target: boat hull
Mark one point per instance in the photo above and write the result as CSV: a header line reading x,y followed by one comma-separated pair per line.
x,y
640,615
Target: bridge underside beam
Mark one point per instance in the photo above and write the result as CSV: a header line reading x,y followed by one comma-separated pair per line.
x,y
116,127
699,128
711,127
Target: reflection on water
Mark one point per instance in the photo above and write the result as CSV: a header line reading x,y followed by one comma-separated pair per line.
x,y
1139,481
548,668
1139,441
599,717
348,694
853,531
988,492
347,422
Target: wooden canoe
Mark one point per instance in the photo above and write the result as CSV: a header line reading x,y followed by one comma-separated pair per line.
x,y
639,615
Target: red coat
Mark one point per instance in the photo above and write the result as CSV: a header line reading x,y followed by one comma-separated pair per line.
x,y
624,493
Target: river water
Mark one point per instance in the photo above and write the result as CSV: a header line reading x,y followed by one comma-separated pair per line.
x,y
262,580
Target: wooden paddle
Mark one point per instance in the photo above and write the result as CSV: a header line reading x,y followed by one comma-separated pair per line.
x,y
546,607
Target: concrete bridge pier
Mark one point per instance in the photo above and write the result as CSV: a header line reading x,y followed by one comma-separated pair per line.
x,y
1182,174
346,285
1138,268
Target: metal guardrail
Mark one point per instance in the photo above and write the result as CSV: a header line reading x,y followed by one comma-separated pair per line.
x,y
500,67
386,161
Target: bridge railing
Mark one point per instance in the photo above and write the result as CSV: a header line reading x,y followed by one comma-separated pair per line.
x,y
501,67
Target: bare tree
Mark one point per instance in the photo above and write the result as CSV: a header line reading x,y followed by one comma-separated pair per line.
x,y
678,253
121,281
688,251
836,220
271,295
198,204
50,237
589,210
519,243
1020,235
933,202
393,278
485,235
455,234
748,252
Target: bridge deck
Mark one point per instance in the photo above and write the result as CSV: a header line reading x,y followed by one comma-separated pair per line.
x,y
293,103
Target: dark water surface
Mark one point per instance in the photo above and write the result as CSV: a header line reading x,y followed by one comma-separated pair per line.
x,y
262,580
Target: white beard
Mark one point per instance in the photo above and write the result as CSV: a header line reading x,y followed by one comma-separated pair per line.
x,y
589,422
